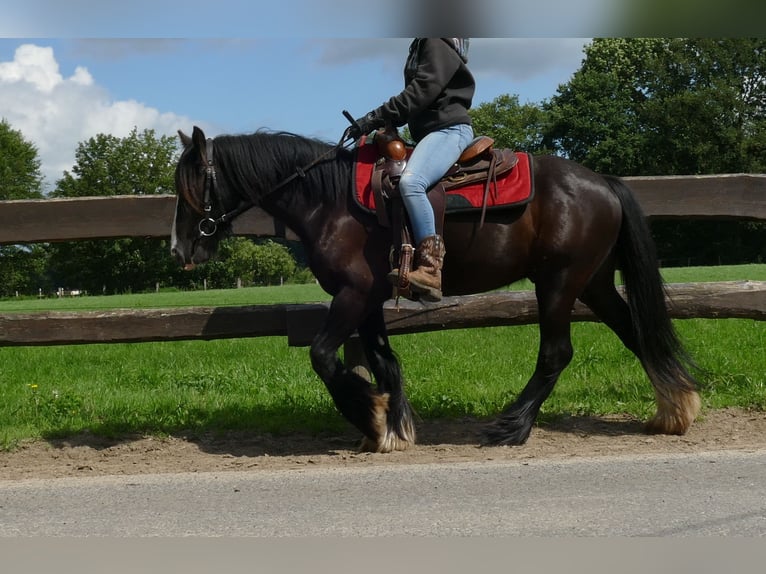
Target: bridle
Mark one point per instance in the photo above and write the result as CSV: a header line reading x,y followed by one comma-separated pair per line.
x,y
208,226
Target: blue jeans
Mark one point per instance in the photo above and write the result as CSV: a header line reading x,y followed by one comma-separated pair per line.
x,y
430,160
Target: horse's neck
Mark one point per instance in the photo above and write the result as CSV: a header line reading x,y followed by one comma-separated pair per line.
x,y
302,204
291,207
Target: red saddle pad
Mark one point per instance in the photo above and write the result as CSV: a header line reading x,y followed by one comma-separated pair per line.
x,y
513,188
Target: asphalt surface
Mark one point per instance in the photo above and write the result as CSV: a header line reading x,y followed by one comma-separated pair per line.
x,y
709,494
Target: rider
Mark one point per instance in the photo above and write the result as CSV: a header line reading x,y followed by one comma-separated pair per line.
x,y
438,91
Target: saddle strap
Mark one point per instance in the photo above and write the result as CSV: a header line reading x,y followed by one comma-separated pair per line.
x,y
491,178
491,165
380,201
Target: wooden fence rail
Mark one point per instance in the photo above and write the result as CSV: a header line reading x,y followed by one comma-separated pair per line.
x,y
736,196
299,322
740,196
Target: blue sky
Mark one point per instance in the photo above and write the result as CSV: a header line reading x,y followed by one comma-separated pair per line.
x,y
70,70
59,92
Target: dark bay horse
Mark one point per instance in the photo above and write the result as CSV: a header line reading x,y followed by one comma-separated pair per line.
x,y
569,240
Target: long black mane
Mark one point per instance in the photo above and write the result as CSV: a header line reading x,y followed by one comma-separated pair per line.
x,y
259,162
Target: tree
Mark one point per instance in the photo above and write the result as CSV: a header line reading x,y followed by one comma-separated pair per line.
x,y
20,176
138,164
664,106
510,124
235,262
243,261
707,103
670,106
595,118
21,267
142,163
273,263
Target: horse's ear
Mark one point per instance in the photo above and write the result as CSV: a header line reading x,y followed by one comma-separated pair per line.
x,y
200,142
186,141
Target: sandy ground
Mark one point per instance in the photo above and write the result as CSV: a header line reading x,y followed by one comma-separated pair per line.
x,y
85,455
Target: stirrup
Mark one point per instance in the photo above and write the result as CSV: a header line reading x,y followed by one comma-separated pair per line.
x,y
400,277
430,294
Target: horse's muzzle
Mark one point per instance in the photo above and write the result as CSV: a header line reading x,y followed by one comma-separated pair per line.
x,y
181,259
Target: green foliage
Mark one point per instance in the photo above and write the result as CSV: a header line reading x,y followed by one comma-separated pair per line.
x,y
20,176
510,124
110,265
671,106
664,106
143,163
273,263
22,269
138,164
242,261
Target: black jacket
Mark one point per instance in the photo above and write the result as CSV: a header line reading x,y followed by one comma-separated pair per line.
x,y
438,89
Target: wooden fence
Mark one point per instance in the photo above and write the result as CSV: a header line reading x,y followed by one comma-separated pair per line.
x,y
737,196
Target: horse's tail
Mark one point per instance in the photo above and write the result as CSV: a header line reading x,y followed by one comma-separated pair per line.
x,y
663,356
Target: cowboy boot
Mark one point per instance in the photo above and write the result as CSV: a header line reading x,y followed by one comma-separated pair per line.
x,y
426,279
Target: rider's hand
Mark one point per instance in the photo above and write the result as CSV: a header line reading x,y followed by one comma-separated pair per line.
x,y
364,125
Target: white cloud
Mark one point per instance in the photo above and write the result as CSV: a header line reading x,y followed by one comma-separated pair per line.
x,y
34,65
56,113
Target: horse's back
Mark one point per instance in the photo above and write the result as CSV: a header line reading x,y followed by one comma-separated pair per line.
x,y
568,193
573,215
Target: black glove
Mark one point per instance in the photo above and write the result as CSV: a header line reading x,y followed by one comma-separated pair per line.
x,y
364,125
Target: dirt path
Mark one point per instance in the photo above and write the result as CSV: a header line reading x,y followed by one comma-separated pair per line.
x,y
438,442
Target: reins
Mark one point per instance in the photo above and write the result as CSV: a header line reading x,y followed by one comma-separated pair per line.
x,y
209,226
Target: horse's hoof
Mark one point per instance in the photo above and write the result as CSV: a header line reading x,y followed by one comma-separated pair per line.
x,y
389,443
496,434
676,416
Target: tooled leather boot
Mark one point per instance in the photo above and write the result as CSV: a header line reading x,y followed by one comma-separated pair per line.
x,y
426,279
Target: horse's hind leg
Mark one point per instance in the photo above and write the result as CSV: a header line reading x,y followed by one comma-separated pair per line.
x,y
603,299
514,425
676,407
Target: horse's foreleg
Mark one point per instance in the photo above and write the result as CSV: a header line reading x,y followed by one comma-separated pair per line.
x,y
400,427
515,423
355,398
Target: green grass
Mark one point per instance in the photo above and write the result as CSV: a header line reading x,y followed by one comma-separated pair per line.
x,y
303,293
753,272
263,385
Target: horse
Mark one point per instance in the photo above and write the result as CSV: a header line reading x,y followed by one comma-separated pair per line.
x,y
570,240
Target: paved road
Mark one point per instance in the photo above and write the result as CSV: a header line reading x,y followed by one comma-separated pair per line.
x,y
722,493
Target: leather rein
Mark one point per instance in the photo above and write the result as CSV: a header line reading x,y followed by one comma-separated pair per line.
x,y
208,226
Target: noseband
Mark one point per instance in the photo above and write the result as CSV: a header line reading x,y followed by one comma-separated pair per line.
x,y
208,226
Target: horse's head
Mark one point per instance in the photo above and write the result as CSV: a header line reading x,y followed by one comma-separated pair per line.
x,y
198,225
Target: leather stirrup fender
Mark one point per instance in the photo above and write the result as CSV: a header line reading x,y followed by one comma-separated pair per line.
x,y
479,146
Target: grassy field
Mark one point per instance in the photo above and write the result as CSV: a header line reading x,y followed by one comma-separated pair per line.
x,y
262,384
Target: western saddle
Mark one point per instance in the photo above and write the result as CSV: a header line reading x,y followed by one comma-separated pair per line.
x,y
479,162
